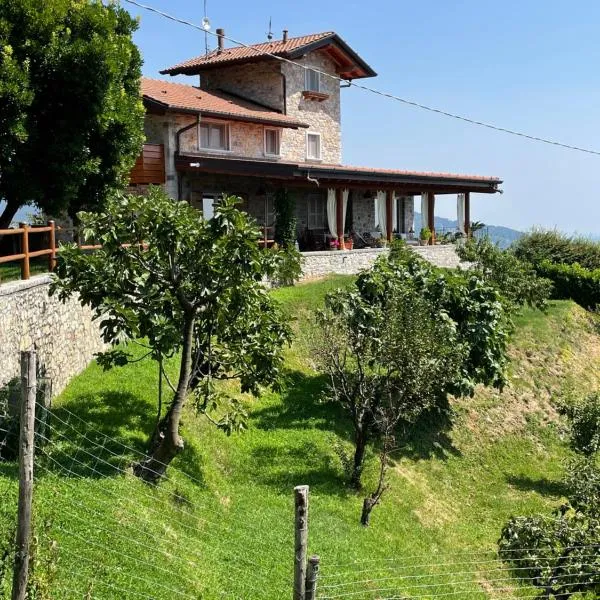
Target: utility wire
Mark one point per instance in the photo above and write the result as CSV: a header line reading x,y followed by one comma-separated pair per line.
x,y
374,90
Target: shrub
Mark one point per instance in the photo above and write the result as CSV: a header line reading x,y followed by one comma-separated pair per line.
x,y
289,266
584,417
285,219
516,280
572,281
538,246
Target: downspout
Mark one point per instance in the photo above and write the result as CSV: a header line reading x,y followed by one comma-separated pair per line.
x,y
284,88
178,148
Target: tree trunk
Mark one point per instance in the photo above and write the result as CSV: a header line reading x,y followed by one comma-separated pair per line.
x,y
368,504
166,443
7,215
360,441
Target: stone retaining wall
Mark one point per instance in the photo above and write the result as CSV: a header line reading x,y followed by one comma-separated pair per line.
x,y
351,262
64,335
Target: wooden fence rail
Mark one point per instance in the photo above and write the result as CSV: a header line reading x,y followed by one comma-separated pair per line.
x,y
25,256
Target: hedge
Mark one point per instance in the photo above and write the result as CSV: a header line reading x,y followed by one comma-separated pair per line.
x,y
573,282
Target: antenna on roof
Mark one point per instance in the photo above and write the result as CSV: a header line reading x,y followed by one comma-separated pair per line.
x,y
206,27
270,34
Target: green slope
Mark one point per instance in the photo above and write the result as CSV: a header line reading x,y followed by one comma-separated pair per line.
x,y
222,527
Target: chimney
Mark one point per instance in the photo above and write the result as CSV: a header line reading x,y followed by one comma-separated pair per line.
x,y
221,40
285,35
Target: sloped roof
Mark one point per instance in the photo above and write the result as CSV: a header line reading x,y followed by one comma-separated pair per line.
x,y
351,65
188,98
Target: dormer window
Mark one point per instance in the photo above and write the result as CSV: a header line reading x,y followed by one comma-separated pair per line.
x,y
214,136
312,81
272,142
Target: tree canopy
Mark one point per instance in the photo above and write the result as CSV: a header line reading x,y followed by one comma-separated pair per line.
x,y
182,284
71,123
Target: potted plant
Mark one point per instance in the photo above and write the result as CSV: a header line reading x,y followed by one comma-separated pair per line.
x,y
349,242
424,236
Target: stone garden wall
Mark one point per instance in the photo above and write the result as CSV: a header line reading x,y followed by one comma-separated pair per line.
x,y
351,262
64,335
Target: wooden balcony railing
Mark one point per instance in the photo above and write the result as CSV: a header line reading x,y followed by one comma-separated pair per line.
x,y
149,168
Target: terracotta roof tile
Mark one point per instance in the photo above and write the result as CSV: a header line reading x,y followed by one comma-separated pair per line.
x,y
276,47
214,103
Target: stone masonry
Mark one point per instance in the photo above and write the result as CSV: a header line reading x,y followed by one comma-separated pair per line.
x,y
63,334
351,262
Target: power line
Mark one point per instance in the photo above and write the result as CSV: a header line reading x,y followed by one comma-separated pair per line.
x,y
372,90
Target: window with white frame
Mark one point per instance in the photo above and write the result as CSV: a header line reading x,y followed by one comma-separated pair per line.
x,y
312,81
214,136
313,146
272,142
316,211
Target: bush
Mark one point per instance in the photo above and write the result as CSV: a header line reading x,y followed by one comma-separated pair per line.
x,y
471,303
584,417
516,280
289,266
572,281
553,246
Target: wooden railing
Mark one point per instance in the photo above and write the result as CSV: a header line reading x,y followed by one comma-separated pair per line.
x,y
150,166
25,256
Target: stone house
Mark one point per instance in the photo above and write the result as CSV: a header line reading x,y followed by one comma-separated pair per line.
x,y
268,117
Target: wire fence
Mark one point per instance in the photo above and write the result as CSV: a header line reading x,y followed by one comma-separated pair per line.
x,y
100,532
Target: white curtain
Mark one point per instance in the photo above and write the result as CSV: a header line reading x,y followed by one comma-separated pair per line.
x,y
331,212
395,212
460,212
424,210
345,195
381,216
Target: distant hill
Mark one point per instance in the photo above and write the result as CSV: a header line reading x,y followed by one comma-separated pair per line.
x,y
503,236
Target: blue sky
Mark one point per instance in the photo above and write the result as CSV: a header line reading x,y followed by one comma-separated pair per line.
x,y
530,66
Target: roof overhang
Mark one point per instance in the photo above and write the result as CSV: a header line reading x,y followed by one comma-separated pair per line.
x,y
349,64
154,106
408,183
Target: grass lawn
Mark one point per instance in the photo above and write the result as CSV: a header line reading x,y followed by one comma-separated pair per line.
x,y
222,526
12,271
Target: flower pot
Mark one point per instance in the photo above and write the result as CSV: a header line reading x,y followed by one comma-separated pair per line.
x,y
349,244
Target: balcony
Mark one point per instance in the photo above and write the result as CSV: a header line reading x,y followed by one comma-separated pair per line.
x,y
149,167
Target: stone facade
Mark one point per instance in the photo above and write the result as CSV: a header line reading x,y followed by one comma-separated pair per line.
x,y
260,82
322,117
63,334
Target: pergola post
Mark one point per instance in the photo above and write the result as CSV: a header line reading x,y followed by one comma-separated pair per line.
x,y
467,227
389,212
431,216
339,216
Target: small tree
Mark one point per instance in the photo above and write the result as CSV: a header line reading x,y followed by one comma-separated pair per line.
x,y
71,124
387,364
516,280
184,284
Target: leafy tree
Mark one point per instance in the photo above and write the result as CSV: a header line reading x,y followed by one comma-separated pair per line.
x,y
182,284
387,363
516,280
71,123
285,219
402,338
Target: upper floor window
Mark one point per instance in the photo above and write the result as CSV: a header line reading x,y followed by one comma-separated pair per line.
x,y
313,81
272,142
313,146
214,136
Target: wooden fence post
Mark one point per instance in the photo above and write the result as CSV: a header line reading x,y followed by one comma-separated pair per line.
x,y
26,454
52,255
311,577
25,250
300,541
